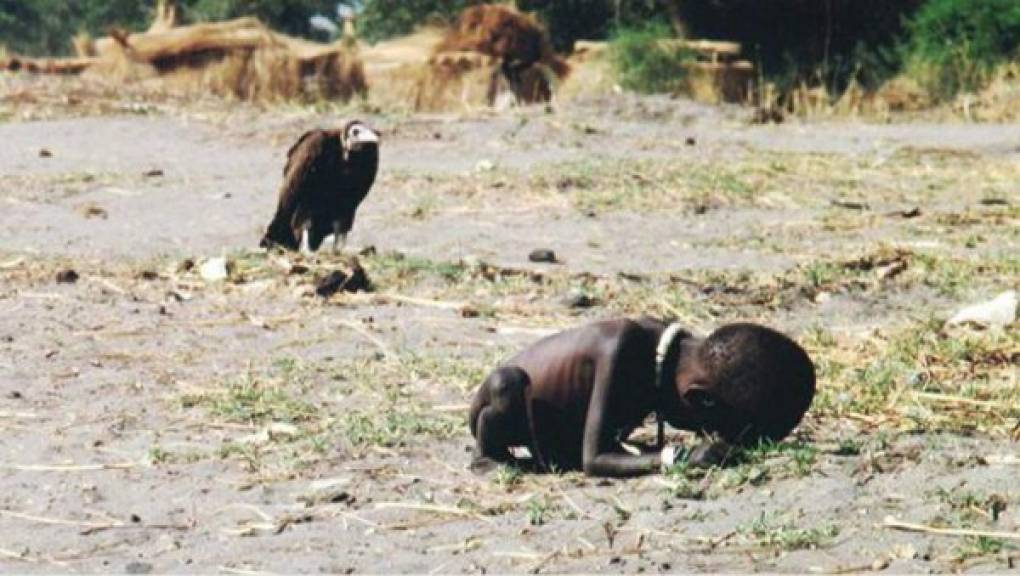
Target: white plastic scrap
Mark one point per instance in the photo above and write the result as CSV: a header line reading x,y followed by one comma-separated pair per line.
x,y
997,312
214,270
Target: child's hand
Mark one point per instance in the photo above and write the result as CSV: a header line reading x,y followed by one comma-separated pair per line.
x,y
710,453
669,456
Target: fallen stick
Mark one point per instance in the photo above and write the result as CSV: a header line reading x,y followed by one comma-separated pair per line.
x,y
451,407
383,297
4,553
379,342
68,467
894,524
53,521
950,399
434,509
424,508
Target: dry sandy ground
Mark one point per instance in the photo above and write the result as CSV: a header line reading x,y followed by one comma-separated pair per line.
x,y
151,421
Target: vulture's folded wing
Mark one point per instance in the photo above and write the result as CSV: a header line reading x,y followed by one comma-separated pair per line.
x,y
302,159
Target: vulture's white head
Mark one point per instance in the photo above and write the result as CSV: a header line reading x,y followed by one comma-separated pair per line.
x,y
358,136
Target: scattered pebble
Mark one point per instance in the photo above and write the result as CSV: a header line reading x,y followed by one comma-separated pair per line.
x,y
542,255
138,568
485,166
891,269
850,204
67,276
578,298
90,211
327,491
911,213
690,141
149,275
368,250
45,153
14,395
994,202
154,173
355,280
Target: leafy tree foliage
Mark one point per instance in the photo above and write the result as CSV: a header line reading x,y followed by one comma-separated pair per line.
x,y
954,45
382,19
39,27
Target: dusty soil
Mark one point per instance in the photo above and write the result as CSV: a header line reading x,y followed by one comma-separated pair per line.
x,y
150,420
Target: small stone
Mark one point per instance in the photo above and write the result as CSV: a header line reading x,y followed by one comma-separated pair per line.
x,y
67,276
578,298
542,255
993,201
90,211
14,395
485,166
149,275
690,141
327,491
368,251
354,280
45,153
154,173
138,568
331,284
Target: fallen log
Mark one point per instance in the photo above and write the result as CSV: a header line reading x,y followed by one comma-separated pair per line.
x,y
46,65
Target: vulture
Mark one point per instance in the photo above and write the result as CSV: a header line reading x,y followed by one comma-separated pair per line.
x,y
328,173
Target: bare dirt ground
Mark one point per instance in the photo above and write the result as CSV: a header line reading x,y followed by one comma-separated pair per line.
x,y
153,421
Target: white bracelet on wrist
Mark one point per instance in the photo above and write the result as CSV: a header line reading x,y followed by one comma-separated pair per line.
x,y
667,457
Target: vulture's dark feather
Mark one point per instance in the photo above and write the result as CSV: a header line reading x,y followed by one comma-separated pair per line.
x,y
327,175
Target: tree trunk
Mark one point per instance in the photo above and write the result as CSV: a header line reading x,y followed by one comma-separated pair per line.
x,y
165,17
675,17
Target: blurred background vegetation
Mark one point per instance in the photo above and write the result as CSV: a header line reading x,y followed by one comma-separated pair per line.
x,y
946,45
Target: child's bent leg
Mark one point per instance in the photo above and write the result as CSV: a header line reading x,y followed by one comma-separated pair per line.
x,y
499,417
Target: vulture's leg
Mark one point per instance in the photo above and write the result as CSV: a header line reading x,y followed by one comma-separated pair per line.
x,y
339,238
304,244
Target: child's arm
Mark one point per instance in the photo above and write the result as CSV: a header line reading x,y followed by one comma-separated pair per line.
x,y
602,455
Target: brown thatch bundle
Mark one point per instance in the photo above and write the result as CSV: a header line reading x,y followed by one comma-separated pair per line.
x,y
491,50
504,33
241,58
245,59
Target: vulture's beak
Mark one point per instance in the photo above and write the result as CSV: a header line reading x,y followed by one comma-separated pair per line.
x,y
361,136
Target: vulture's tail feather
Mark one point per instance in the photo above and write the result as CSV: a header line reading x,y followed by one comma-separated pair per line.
x,y
279,234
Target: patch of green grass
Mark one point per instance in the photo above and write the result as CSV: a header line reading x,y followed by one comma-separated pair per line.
x,y
769,533
397,427
539,510
972,548
508,476
923,378
644,64
255,398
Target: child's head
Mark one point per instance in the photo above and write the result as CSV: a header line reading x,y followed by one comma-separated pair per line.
x,y
745,382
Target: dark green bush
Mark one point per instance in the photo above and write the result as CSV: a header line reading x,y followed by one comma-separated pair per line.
x,y
953,45
642,64
44,27
382,19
